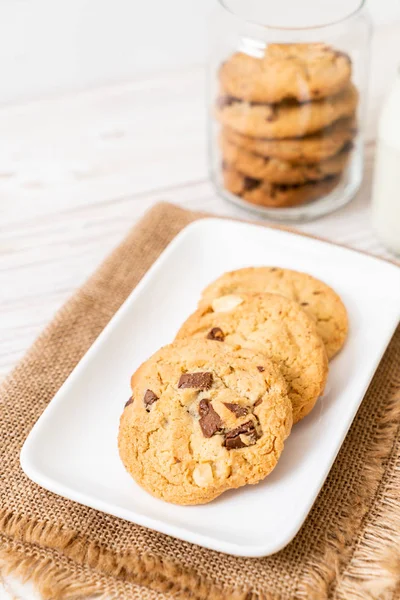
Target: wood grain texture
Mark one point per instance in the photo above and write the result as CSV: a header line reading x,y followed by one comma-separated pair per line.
x,y
77,171
44,259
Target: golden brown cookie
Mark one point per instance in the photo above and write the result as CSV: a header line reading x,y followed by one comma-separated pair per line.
x,y
300,71
274,325
273,195
315,297
288,119
309,149
203,418
276,170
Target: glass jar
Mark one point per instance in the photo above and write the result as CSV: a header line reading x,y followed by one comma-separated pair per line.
x,y
385,195
287,95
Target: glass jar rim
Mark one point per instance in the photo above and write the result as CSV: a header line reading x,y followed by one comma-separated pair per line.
x,y
225,4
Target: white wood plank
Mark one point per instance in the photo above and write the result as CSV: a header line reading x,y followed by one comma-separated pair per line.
x,y
77,171
42,261
80,149
48,46
60,153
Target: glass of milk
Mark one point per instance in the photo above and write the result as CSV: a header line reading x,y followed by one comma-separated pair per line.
x,y
386,187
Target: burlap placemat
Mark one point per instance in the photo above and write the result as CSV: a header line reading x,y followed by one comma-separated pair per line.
x,y
349,546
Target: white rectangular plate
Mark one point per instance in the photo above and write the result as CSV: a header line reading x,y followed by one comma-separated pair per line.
x,y
72,449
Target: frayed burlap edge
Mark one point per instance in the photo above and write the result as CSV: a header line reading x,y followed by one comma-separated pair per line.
x,y
50,580
51,573
160,575
372,570
342,575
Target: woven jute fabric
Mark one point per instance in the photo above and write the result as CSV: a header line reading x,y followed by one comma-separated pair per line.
x,y
349,546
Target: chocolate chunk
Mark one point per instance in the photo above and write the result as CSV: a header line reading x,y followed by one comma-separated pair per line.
x,y
210,421
204,407
249,183
216,334
238,411
233,440
261,369
303,303
347,147
224,101
149,399
129,402
274,114
198,381
258,402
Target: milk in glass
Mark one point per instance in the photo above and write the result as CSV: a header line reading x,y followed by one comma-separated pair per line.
x,y
386,188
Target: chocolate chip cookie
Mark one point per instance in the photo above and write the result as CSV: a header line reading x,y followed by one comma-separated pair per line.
x,y
276,170
287,119
309,149
315,297
275,195
275,326
300,71
203,418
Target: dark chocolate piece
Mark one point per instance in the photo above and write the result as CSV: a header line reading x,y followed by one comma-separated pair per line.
x,y
216,334
210,421
348,146
249,183
198,381
224,101
261,369
203,407
149,399
233,440
274,114
238,411
129,402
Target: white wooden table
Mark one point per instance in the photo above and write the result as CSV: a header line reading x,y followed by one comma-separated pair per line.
x,y
77,171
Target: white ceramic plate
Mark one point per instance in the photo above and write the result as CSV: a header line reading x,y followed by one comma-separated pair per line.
x,y
72,449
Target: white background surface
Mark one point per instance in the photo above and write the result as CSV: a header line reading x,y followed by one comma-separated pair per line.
x,y
49,46
76,171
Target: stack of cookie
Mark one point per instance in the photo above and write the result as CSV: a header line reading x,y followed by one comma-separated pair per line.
x,y
211,411
288,121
